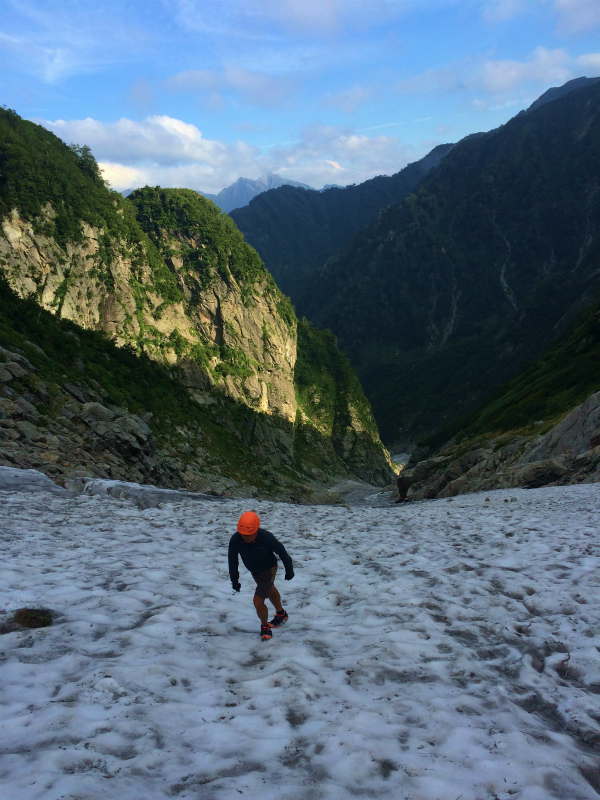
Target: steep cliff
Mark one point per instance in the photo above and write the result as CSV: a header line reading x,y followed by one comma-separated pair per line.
x,y
205,302
166,274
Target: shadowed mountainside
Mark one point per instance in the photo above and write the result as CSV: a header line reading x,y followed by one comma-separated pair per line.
x,y
447,294
296,230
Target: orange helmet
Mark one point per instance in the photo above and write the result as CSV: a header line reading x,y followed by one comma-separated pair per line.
x,y
248,523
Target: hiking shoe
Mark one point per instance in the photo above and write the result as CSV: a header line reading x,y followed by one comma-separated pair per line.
x,y
265,633
279,618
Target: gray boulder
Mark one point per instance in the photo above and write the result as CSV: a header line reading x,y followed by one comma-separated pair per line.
x,y
127,433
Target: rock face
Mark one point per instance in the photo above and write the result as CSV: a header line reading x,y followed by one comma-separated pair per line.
x,y
169,278
73,431
85,437
123,299
568,453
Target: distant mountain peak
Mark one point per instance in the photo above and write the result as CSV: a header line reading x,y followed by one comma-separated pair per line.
x,y
241,192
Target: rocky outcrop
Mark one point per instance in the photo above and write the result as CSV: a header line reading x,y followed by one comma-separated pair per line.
x,y
168,277
67,431
125,433
121,295
567,453
72,431
69,280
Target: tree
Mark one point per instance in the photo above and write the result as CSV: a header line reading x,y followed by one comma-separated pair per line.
x,y
87,163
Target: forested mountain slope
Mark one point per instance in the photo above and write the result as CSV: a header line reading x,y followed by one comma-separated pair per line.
x,y
565,375
543,428
166,274
296,230
445,295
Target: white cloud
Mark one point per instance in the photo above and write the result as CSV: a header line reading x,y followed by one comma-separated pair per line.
x,y
169,152
501,78
252,87
324,152
545,66
577,16
590,64
161,150
159,139
121,177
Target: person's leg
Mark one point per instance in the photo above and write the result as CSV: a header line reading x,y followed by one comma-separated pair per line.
x,y
275,598
261,609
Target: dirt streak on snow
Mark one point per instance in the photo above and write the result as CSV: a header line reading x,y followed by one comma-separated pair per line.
x,y
434,650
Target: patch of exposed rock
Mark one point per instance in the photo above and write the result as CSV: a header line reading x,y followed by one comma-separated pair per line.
x,y
72,431
120,297
568,453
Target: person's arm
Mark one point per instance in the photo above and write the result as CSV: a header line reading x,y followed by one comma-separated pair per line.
x,y
283,555
232,557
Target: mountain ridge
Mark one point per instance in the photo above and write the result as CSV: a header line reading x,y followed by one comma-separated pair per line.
x,y
169,277
474,273
296,231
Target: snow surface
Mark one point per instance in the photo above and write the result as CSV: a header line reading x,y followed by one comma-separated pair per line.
x,y
144,496
27,480
435,651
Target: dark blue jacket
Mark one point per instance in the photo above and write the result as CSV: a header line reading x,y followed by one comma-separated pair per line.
x,y
256,556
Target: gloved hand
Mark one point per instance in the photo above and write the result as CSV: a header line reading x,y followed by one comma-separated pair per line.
x,y
236,586
289,575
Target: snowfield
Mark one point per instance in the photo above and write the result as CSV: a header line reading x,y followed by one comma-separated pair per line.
x,y
435,651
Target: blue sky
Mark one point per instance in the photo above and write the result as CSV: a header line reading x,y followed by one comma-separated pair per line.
x,y
197,93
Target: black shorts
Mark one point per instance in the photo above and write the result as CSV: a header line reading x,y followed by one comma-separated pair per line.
x,y
264,581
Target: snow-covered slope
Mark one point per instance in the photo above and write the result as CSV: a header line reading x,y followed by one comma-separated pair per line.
x,y
435,651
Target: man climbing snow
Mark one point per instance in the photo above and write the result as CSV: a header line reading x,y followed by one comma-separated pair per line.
x,y
257,547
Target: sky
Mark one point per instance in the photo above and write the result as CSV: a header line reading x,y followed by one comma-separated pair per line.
x,y
197,93
435,650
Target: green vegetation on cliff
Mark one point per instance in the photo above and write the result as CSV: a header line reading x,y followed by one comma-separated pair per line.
x,y
185,225
327,387
332,402
39,172
567,373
